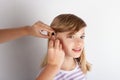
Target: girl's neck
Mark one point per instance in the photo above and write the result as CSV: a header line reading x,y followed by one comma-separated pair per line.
x,y
68,64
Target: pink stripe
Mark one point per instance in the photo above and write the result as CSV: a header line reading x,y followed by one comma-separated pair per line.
x,y
74,73
79,76
60,77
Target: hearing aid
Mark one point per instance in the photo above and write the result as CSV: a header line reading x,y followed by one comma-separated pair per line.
x,y
52,33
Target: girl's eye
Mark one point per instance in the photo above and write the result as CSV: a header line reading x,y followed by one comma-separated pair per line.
x,y
82,37
71,37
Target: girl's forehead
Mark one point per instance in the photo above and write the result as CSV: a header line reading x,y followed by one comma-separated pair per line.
x,y
80,32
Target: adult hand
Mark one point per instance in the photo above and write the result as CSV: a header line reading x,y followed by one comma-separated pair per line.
x,y
39,29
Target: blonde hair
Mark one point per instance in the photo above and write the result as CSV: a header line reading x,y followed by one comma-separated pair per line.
x,y
72,23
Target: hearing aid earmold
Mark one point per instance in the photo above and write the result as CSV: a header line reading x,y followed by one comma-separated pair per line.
x,y
53,33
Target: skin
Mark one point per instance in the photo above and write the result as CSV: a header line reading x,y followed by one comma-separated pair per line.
x,y
35,30
73,46
61,53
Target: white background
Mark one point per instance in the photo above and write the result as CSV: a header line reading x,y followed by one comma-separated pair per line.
x,y
20,59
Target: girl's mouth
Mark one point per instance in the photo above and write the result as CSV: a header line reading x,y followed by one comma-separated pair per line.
x,y
76,50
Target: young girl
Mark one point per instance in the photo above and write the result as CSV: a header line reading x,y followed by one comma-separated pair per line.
x,y
66,56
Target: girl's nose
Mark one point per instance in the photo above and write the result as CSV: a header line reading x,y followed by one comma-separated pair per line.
x,y
78,40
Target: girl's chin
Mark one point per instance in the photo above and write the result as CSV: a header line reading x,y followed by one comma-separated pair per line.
x,y
76,56
73,56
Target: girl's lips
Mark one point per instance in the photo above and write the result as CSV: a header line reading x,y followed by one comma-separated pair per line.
x,y
76,50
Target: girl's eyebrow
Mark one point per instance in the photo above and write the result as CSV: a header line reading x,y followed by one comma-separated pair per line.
x,y
68,34
81,34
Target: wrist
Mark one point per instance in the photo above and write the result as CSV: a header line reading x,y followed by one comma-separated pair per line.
x,y
27,30
54,67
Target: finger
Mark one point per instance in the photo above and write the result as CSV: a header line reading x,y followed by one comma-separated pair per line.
x,y
48,29
52,38
44,27
44,36
42,32
60,46
50,44
39,22
46,33
57,44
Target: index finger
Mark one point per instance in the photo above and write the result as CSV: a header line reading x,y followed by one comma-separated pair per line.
x,y
48,29
50,44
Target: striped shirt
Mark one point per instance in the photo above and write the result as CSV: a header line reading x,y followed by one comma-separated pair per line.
x,y
75,74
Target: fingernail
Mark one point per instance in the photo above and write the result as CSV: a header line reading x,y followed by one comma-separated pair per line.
x,y
53,37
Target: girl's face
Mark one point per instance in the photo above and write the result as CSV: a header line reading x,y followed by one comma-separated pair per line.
x,y
72,44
